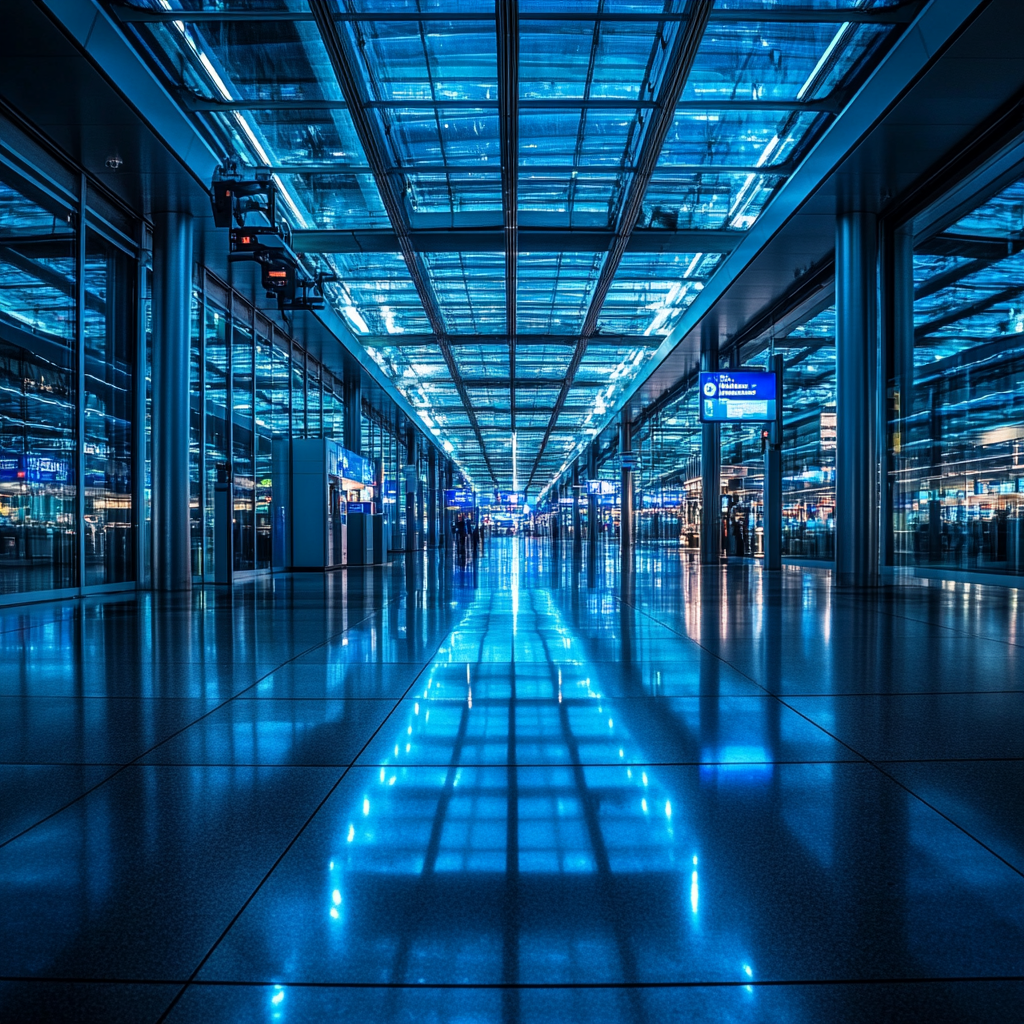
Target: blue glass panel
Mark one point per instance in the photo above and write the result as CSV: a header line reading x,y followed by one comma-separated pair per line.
x,y
375,294
454,193
650,291
770,61
683,200
433,60
554,291
604,138
470,289
752,138
589,59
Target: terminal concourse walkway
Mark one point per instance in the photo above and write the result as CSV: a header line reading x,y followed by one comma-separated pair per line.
x,y
517,791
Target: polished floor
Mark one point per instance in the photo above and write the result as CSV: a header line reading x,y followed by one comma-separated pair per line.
x,y
516,791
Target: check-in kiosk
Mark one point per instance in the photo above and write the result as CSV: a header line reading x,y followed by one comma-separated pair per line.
x,y
324,514
310,503
359,475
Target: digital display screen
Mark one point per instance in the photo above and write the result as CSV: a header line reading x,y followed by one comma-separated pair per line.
x,y
459,499
728,396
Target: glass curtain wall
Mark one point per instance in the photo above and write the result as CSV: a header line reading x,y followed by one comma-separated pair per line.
x,y
809,439
957,426
242,455
68,342
196,382
109,323
264,447
38,390
217,444
250,387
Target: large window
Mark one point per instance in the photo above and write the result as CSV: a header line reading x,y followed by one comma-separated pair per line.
x,y
243,459
195,435
809,439
958,428
107,421
38,535
218,427
264,448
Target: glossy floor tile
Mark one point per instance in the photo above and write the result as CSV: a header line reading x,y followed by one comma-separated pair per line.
x,y
525,790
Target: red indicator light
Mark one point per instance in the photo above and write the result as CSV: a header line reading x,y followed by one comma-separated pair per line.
x,y
278,273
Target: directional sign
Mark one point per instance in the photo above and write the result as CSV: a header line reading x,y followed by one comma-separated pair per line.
x,y
727,396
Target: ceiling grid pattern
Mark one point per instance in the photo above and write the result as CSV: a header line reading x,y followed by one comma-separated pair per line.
x,y
520,198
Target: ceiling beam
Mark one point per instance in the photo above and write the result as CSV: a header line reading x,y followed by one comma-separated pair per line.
x,y
531,239
456,340
684,52
527,383
506,23
898,14
783,169
828,104
374,148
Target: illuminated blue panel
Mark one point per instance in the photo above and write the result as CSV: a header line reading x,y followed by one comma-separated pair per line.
x,y
470,288
554,291
651,291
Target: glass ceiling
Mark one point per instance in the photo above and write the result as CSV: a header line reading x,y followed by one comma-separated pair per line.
x,y
430,83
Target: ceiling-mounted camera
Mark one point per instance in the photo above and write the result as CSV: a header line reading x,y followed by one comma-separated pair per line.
x,y
233,196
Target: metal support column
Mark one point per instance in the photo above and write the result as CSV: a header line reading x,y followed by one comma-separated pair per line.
x,y
556,522
772,521
411,474
592,522
856,400
172,294
626,481
446,516
432,497
577,523
710,466
352,397
896,291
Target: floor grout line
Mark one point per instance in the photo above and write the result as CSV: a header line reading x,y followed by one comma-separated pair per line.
x,y
241,910
184,728
876,764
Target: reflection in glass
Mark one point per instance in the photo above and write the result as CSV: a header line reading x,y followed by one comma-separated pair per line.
x,y
217,425
264,449
37,393
957,430
195,436
107,444
242,458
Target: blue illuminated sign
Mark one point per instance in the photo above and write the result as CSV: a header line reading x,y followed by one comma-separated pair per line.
x,y
727,396
509,498
355,467
459,499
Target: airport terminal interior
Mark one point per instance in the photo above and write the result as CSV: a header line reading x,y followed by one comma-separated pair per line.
x,y
512,511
